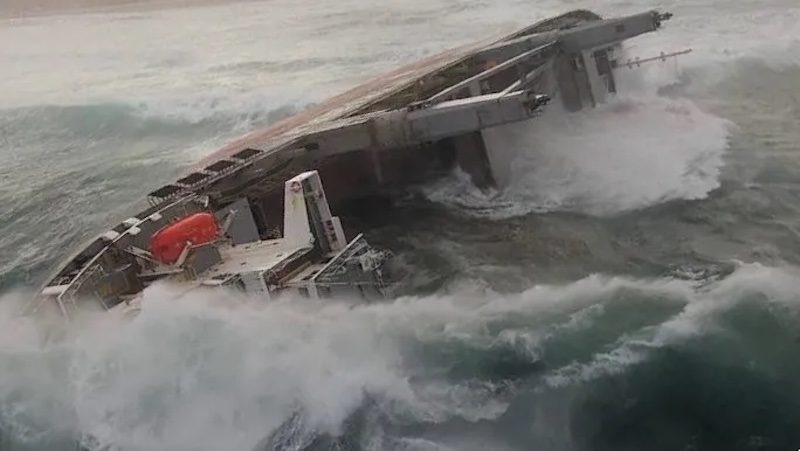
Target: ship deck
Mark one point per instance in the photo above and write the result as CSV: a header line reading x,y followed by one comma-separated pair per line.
x,y
258,256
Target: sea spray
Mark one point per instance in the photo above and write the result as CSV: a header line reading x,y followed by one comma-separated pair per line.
x,y
210,370
627,154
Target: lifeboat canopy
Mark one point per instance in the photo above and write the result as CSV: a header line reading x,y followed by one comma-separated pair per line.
x,y
167,244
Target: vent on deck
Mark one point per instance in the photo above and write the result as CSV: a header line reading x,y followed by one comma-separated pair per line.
x,y
165,191
220,166
246,154
192,179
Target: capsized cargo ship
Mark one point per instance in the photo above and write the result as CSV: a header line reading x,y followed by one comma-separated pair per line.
x,y
254,216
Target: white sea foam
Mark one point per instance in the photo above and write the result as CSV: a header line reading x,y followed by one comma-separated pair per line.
x,y
640,149
211,372
308,50
220,373
633,152
775,287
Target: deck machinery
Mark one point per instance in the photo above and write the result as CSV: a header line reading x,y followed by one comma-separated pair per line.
x,y
408,126
190,245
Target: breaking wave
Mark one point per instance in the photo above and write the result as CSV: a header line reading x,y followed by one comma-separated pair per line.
x,y
221,372
600,363
643,147
630,153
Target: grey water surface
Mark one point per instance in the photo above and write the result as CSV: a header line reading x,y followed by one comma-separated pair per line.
x,y
635,286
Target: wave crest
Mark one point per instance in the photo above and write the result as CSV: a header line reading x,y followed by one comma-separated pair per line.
x,y
631,153
213,371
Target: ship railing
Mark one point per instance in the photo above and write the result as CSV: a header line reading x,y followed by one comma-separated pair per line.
x,y
87,271
93,274
540,52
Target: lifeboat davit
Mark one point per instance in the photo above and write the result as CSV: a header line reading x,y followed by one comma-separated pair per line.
x,y
168,242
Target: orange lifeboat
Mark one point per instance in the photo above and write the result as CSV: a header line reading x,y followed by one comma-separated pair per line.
x,y
168,242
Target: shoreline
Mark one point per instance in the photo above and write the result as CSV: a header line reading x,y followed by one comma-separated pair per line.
x,y
31,9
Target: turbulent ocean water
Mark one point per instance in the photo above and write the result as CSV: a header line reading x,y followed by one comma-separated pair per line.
x,y
635,286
